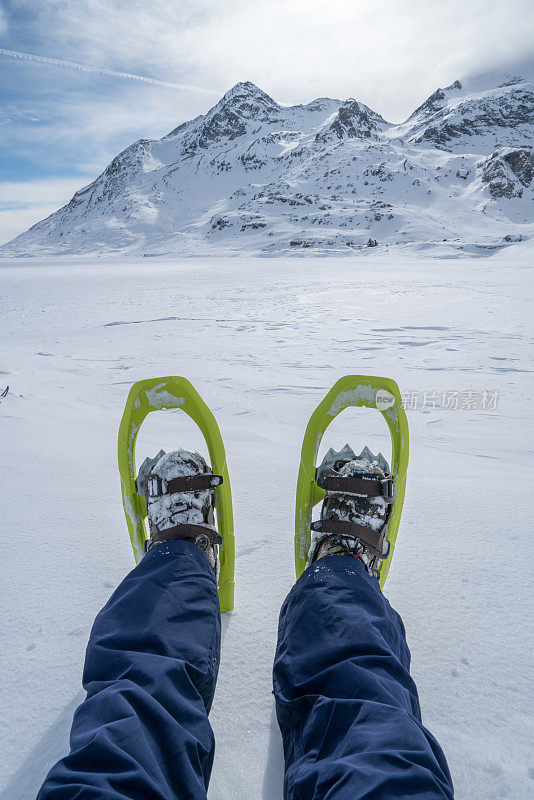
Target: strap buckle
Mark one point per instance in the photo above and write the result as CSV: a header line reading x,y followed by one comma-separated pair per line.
x,y
387,489
155,486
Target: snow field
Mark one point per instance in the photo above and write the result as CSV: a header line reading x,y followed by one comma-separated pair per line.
x,y
262,341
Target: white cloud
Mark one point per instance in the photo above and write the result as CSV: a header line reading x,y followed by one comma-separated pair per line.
x,y
389,53
15,221
25,203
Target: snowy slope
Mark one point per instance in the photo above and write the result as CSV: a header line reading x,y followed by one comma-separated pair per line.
x,y
252,176
263,347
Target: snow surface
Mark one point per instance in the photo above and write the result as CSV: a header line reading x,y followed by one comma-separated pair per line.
x,y
263,341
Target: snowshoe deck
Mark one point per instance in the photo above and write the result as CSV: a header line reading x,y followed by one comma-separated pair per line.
x,y
155,394
352,390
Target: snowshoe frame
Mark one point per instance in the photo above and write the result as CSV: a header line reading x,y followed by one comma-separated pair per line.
x,y
155,394
352,390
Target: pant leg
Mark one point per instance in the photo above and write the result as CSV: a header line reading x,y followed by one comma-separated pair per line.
x,y
346,704
150,672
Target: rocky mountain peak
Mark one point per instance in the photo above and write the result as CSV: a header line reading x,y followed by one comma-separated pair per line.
x,y
246,89
486,112
249,101
512,80
243,104
437,100
229,117
353,120
322,104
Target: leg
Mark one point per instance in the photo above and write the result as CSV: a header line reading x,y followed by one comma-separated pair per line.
x,y
346,704
150,671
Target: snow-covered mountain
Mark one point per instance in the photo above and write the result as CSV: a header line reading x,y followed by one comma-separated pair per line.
x,y
254,176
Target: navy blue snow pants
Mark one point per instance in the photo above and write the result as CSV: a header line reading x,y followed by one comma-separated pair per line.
x,y
346,705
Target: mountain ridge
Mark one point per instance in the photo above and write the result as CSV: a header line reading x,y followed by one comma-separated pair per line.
x,y
254,176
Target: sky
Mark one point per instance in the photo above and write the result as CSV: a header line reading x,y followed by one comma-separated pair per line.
x,y
80,81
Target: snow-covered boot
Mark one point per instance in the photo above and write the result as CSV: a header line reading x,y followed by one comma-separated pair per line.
x,y
356,507
179,490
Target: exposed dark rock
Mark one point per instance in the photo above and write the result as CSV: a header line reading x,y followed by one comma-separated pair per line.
x,y
508,171
521,162
479,116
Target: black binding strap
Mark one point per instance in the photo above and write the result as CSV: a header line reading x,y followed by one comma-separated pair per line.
x,y
371,539
156,486
187,531
369,487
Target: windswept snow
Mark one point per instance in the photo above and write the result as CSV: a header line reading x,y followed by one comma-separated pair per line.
x,y
262,346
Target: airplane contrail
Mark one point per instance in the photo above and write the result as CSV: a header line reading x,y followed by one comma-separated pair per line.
x,y
58,62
